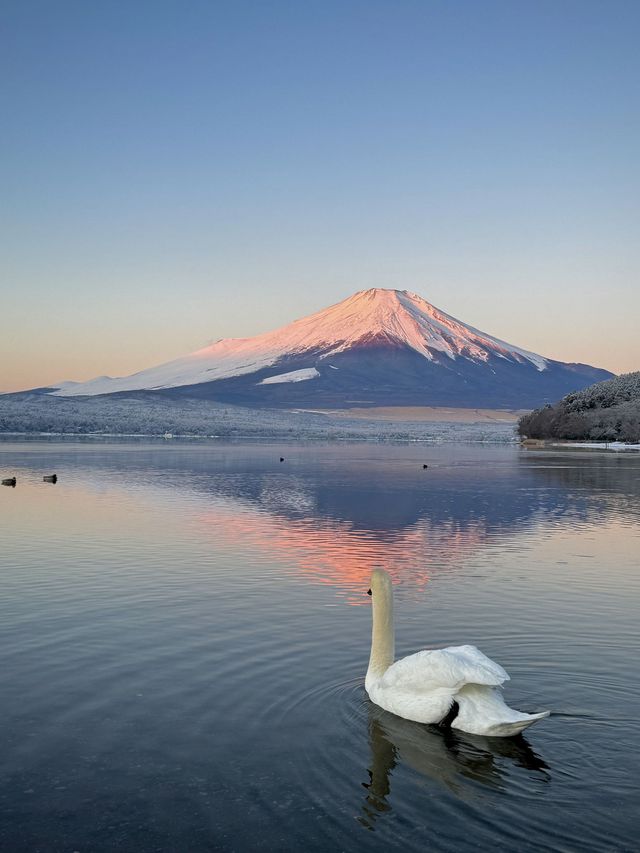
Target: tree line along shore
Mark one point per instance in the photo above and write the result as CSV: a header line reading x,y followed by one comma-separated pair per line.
x,y
606,411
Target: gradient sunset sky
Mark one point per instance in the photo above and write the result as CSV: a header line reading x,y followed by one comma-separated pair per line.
x,y
176,172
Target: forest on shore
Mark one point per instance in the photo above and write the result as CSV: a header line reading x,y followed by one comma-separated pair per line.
x,y
606,411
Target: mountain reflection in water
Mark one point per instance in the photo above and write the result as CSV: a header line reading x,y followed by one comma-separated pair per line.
x,y
333,524
330,518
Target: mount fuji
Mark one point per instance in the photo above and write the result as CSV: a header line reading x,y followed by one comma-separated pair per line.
x,y
377,348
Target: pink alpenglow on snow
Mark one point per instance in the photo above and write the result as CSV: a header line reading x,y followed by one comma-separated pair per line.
x,y
377,347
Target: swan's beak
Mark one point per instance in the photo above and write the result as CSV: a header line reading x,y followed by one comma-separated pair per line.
x,y
368,592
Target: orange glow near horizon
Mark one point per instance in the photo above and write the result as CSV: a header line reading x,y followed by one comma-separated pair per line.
x,y
122,346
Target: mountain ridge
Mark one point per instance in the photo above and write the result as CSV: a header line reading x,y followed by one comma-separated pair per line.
x,y
377,347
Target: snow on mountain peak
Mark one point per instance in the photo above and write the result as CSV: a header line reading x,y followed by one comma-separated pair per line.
x,y
393,317
396,315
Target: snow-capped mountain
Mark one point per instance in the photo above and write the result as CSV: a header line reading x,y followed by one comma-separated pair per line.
x,y
378,347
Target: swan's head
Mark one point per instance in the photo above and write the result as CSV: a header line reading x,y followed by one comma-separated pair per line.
x,y
380,583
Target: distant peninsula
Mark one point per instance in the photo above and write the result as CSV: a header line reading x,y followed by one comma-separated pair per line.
x,y
606,411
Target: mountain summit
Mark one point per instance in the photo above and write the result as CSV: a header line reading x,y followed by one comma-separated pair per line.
x,y
378,347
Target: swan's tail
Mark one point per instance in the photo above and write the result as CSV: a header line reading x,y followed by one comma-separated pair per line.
x,y
483,711
507,729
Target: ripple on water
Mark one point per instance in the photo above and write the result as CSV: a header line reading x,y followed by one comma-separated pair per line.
x,y
181,669
450,770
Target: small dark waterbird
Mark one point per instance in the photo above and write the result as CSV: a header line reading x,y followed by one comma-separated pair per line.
x,y
282,458
9,481
425,466
50,478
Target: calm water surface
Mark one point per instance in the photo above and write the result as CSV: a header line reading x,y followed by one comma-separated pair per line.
x,y
184,632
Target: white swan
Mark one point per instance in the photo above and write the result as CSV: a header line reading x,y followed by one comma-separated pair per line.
x,y
429,685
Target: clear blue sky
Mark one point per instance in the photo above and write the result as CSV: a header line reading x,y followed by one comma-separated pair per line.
x,y
176,172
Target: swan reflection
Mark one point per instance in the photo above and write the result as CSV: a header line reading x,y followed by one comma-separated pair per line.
x,y
450,759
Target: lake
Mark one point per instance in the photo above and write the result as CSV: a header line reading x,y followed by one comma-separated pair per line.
x,y
184,633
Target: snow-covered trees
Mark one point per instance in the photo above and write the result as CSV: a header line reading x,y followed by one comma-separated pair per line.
x,y
606,411
155,415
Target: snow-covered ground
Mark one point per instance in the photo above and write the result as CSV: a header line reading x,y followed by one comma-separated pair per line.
x,y
292,376
44,414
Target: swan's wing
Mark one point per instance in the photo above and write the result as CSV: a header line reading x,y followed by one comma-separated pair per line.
x,y
477,659
443,669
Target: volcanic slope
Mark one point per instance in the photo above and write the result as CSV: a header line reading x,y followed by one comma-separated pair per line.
x,y
377,348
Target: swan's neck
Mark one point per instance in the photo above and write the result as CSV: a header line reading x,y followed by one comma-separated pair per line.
x,y
382,640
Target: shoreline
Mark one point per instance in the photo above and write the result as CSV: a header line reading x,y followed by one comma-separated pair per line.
x,y
423,414
568,444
